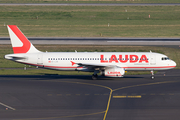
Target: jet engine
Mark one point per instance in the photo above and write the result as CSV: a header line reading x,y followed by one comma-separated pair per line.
x,y
113,72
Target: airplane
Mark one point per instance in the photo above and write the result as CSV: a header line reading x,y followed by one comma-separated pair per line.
x,y
110,64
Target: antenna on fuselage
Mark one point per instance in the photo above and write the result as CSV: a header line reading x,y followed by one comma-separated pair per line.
x,y
75,51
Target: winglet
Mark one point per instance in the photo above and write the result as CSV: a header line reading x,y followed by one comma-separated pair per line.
x,y
19,41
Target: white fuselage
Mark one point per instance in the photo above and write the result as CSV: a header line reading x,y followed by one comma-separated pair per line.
x,y
70,60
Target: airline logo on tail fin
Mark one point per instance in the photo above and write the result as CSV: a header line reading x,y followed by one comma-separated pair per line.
x,y
19,41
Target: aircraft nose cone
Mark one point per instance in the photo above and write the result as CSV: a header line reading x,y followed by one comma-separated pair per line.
x,y
173,63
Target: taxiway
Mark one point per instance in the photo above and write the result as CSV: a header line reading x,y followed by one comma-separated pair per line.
x,y
57,97
100,41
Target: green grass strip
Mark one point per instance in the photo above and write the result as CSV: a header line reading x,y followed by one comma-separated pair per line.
x,y
89,1
92,21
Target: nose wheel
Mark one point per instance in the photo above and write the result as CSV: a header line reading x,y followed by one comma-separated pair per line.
x,y
152,76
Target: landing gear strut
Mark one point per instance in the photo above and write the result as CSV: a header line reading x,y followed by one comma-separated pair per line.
x,y
152,72
94,76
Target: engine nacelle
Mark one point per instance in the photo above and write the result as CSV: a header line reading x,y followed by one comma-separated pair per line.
x,y
114,72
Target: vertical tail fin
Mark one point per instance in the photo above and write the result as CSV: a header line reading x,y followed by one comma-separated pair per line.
x,y
19,41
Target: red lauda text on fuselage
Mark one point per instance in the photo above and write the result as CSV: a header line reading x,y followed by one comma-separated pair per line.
x,y
113,72
131,58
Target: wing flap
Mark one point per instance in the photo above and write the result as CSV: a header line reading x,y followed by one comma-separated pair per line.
x,y
95,65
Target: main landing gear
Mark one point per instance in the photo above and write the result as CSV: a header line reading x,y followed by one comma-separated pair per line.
x,y
94,76
152,72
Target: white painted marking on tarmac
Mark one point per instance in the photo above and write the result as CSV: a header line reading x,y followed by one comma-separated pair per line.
x,y
7,106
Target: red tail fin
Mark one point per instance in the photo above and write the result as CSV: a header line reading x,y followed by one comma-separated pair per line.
x,y
19,41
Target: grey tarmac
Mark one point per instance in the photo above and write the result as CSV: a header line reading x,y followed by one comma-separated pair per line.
x,y
75,97
99,41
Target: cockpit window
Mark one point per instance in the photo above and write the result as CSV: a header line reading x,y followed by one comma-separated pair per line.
x,y
165,58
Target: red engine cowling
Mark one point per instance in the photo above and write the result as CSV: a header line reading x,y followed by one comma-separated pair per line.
x,y
114,72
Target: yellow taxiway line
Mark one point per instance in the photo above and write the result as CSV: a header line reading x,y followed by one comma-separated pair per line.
x,y
137,96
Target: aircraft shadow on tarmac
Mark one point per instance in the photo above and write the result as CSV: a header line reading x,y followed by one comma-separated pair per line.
x,y
48,77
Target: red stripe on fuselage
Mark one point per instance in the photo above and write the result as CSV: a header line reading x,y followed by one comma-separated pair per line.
x,y
152,67
82,67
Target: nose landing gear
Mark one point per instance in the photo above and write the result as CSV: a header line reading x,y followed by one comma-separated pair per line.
x,y
152,72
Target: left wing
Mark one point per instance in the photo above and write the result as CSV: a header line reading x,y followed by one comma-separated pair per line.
x,y
93,65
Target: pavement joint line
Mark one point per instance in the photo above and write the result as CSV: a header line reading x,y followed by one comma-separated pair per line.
x,y
7,106
142,94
